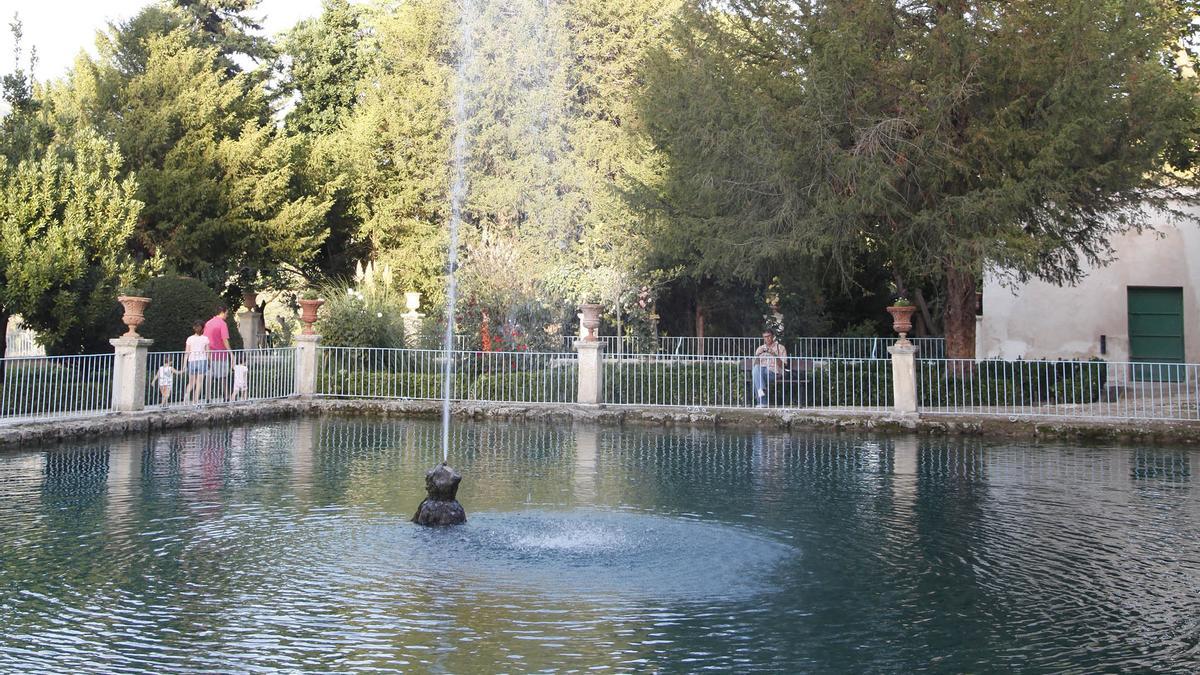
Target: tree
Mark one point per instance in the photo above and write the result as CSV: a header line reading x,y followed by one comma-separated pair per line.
x,y
948,135
227,26
326,66
23,134
219,186
65,221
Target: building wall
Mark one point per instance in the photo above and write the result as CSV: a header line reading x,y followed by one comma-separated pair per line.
x,y
1040,320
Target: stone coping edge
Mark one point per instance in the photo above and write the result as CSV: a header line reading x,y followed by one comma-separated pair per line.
x,y
1127,431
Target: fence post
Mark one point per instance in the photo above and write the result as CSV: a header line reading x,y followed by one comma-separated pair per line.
x,y
250,327
591,371
129,372
306,364
904,377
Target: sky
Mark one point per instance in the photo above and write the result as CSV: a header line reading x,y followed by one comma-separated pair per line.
x,y
60,28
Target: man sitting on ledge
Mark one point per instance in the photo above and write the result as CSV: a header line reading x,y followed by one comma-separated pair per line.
x,y
767,365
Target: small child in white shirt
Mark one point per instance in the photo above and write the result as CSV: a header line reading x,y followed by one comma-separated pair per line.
x,y
241,374
166,380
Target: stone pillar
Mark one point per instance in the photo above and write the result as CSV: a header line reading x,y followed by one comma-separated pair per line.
x,y
414,322
306,364
250,327
904,377
129,373
591,372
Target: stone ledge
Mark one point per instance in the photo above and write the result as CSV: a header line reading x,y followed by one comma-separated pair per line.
x,y
61,430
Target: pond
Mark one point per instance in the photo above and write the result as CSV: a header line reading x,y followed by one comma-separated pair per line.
x,y
288,546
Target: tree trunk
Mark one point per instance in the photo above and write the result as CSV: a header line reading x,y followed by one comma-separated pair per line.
x,y
960,315
699,329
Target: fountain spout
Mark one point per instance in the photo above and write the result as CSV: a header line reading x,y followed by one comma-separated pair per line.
x,y
440,507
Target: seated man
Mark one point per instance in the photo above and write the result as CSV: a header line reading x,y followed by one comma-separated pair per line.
x,y
767,365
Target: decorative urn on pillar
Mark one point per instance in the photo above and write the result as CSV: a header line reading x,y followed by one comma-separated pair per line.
x,y
412,301
902,311
309,304
591,320
135,307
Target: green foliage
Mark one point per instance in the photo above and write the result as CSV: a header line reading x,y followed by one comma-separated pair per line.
x,y
1016,135
362,316
175,304
1010,383
216,176
79,385
392,384
689,384
326,66
64,224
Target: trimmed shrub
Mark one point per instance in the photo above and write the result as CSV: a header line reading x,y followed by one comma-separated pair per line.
x,y
699,384
548,385
176,302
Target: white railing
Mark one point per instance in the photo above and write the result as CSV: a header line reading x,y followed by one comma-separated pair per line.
x,y
528,377
743,347
36,387
269,374
22,342
1078,389
723,382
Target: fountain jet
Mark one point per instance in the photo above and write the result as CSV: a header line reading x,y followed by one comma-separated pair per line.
x,y
440,507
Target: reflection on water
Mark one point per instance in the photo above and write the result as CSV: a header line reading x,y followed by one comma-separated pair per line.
x,y
287,546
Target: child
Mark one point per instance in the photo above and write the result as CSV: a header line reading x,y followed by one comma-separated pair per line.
x,y
241,374
166,380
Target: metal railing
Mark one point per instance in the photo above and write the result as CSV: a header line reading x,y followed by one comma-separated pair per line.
x,y
1078,389
528,377
269,374
22,342
36,387
745,347
723,382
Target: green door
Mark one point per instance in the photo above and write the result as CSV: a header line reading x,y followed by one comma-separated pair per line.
x,y
1156,332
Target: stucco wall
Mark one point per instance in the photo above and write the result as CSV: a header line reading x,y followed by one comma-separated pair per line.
x,y
1040,320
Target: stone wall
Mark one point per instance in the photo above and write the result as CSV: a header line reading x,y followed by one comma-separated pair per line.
x,y
1142,432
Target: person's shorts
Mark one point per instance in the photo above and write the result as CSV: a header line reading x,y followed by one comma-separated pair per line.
x,y
198,367
220,367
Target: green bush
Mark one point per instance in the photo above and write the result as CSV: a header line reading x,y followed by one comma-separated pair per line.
x,y
352,318
850,384
691,384
1011,383
547,385
349,382
175,303
40,386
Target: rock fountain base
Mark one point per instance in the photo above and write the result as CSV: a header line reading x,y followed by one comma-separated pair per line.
x,y
440,508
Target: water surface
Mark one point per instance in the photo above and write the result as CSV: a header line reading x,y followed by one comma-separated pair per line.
x,y
287,546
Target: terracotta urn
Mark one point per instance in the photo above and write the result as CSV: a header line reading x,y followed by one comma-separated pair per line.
x,y
135,308
902,320
591,320
308,315
250,300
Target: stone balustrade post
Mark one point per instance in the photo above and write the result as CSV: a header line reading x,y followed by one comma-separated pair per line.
x,y
904,377
591,372
129,373
250,326
306,364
